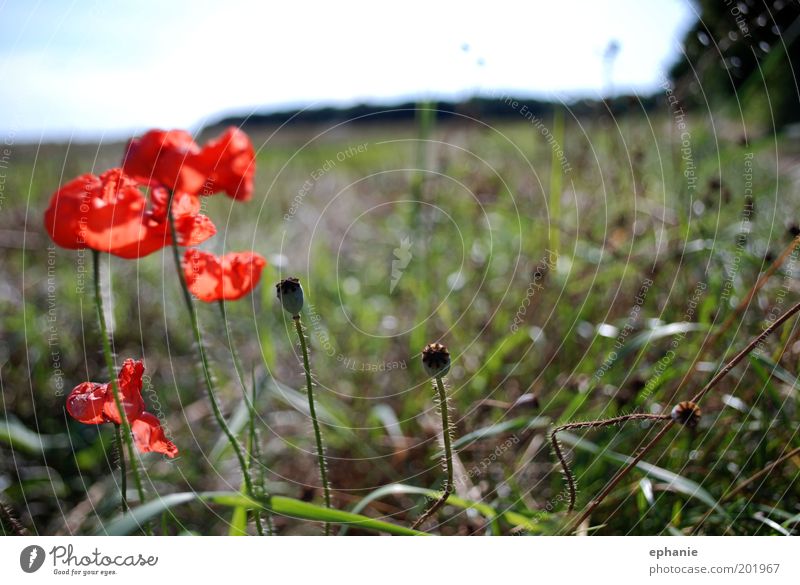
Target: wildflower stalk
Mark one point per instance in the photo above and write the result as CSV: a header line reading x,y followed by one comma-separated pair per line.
x,y
323,471
592,424
123,487
206,370
444,406
614,481
253,450
251,411
124,428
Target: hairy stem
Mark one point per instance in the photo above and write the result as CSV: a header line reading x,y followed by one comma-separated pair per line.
x,y
123,483
206,370
124,423
255,455
251,411
592,424
448,456
323,470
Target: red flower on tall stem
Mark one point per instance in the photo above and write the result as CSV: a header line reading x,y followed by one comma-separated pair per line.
x,y
227,278
93,404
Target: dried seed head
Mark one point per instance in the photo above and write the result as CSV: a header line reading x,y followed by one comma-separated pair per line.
x,y
290,294
687,413
435,360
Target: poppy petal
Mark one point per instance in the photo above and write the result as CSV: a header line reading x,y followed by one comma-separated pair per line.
x,y
86,401
230,277
62,219
149,436
166,157
230,159
130,389
203,274
194,230
241,272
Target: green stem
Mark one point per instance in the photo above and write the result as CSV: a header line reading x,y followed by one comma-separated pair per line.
x,y
126,427
251,410
206,371
323,470
123,484
254,457
448,455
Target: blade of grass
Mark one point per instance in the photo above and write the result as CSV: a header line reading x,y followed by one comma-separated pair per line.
x,y
485,510
776,371
21,438
658,332
299,402
761,517
238,522
276,504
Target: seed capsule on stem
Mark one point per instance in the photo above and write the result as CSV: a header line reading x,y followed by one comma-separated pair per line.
x,y
290,294
435,360
436,363
687,413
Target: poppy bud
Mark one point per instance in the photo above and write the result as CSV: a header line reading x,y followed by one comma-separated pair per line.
x,y
435,360
290,294
687,413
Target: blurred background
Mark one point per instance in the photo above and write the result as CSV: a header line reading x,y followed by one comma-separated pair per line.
x,y
506,178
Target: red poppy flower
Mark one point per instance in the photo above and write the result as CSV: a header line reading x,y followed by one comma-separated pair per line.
x,y
230,277
231,162
110,214
93,404
171,158
166,157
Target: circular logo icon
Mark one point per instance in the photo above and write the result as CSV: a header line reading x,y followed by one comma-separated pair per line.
x,y
31,558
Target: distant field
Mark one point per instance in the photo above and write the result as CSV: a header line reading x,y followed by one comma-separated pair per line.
x,y
555,308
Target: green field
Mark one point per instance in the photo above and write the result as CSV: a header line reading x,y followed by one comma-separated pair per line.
x,y
568,288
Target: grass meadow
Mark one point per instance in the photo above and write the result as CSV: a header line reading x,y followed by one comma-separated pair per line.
x,y
574,266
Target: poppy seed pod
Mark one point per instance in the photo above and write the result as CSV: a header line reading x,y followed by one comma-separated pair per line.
x,y
687,413
290,294
436,360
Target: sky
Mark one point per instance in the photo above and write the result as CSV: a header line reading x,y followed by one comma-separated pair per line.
x,y
108,69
